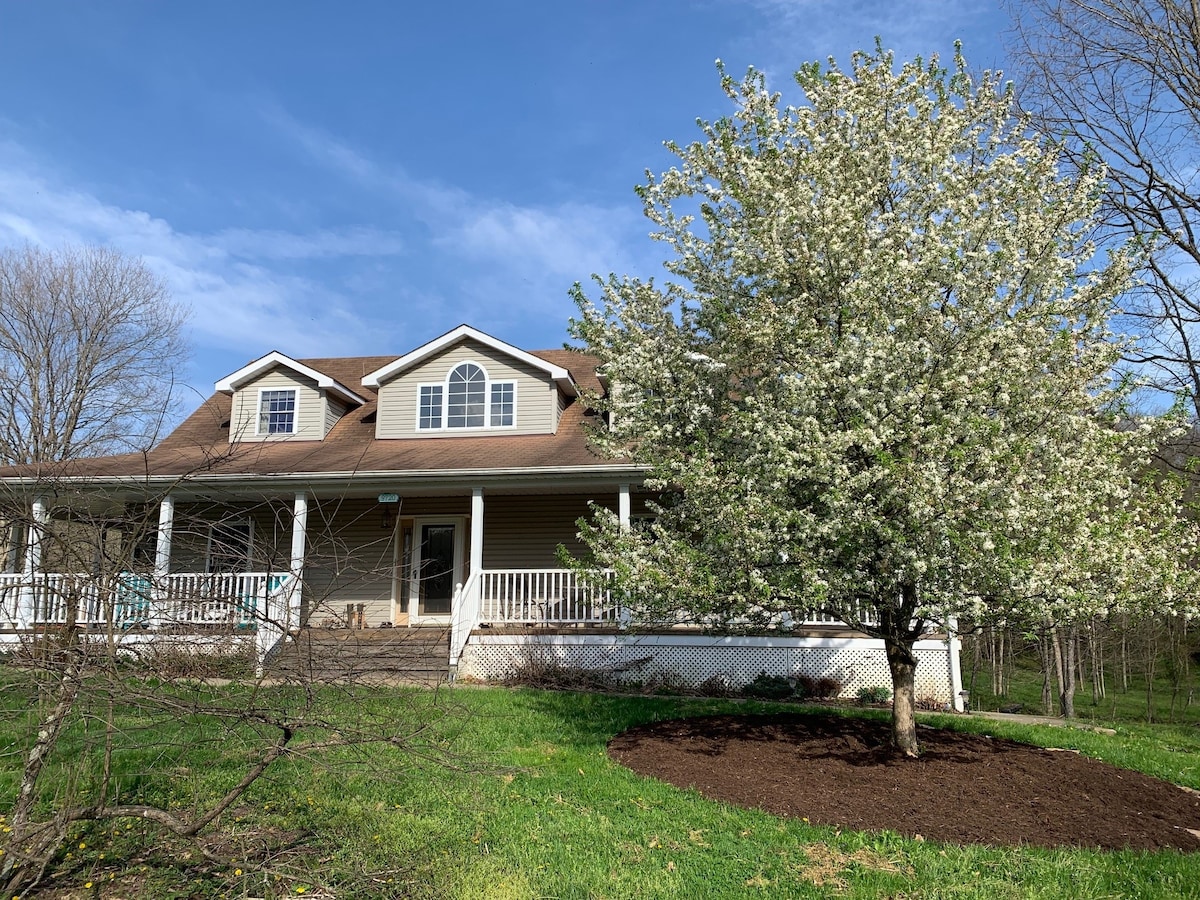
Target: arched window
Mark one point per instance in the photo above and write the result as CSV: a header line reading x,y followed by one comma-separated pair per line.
x,y
465,397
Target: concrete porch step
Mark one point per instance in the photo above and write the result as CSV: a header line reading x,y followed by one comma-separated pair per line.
x,y
419,654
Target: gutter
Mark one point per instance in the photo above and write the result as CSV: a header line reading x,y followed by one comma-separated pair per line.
x,y
384,477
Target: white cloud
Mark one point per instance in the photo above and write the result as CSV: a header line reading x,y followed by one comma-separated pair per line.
x,y
279,245
527,255
797,31
238,298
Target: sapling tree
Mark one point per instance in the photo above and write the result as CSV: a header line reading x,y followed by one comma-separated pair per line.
x,y
119,711
877,382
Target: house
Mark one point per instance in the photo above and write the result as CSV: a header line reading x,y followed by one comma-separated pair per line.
x,y
429,489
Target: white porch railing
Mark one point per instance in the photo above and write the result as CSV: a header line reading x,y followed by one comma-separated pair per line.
x,y
551,596
465,615
866,615
128,600
565,597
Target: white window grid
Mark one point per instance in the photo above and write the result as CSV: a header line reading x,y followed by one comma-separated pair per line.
x,y
277,411
467,400
429,413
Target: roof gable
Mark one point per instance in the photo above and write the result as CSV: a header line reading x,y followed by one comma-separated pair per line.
x,y
465,332
247,373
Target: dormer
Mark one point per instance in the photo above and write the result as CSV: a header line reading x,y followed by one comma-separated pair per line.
x,y
277,398
467,382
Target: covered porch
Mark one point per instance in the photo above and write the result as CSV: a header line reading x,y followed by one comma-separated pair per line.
x,y
474,564
372,555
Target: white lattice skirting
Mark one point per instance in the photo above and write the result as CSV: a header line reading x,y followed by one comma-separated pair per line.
x,y
854,662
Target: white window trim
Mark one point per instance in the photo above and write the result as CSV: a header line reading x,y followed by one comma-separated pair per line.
x,y
258,432
441,406
513,382
444,384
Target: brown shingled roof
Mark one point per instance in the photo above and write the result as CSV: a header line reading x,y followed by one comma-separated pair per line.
x,y
201,443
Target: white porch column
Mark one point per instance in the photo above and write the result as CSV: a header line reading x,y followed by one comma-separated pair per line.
x,y
26,604
476,561
162,545
296,570
16,537
623,512
464,609
623,506
159,591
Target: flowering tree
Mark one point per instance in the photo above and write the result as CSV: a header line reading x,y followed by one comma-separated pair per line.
x,y
878,381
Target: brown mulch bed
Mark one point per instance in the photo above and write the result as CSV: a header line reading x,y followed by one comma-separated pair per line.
x,y
964,789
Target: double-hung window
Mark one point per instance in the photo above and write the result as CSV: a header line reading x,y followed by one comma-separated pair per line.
x,y
277,412
467,399
504,395
430,414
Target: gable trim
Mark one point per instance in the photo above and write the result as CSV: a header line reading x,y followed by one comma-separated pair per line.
x,y
231,383
560,375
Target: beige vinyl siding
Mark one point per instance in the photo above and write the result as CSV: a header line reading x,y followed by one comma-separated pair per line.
x,y
350,556
348,559
310,408
523,532
536,394
334,410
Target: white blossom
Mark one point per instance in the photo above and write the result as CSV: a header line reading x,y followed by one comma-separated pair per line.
x,y
880,371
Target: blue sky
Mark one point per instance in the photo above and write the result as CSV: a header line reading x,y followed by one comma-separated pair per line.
x,y
356,178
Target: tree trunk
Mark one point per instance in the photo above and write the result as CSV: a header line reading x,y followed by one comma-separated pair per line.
x,y
1064,657
903,664
1081,648
1096,646
1124,654
1045,656
1010,657
1151,669
999,688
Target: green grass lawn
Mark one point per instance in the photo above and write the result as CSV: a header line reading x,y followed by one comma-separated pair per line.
x,y
513,796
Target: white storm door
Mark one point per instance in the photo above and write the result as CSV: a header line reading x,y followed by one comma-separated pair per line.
x,y
436,570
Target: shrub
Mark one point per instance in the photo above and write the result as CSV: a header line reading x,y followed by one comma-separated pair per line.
x,y
877,693
176,662
824,688
667,684
544,670
769,687
715,686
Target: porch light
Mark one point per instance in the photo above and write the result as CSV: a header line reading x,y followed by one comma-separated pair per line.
x,y
388,502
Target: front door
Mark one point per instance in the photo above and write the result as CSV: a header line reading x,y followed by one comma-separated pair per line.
x,y
436,569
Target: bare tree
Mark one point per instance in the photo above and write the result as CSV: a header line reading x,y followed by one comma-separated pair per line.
x,y
1120,80
90,345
